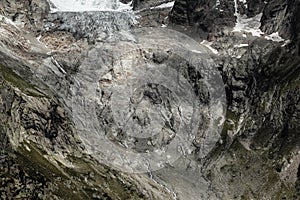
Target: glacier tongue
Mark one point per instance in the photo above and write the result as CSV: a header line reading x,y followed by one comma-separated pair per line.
x,y
95,20
89,5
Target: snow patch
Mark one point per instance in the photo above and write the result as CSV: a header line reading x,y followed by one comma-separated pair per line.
x,y
241,45
286,43
195,51
27,148
164,5
274,37
208,45
245,24
60,68
7,21
244,2
39,38
89,5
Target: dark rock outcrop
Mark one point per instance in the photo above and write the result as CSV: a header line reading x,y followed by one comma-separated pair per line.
x,y
28,13
204,15
254,7
283,17
263,98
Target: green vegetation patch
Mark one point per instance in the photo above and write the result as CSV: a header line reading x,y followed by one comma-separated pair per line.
x,y
41,169
83,181
14,79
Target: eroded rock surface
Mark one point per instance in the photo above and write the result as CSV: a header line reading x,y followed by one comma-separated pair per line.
x,y
42,54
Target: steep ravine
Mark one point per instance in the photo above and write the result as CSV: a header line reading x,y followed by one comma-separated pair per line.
x,y
44,55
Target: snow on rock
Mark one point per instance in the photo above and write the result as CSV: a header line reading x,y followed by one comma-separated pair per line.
x,y
7,21
164,5
208,45
274,37
195,51
89,5
241,45
286,43
244,2
245,24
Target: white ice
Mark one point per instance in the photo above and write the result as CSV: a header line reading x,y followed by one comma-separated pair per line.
x,y
274,37
165,5
241,45
89,5
245,24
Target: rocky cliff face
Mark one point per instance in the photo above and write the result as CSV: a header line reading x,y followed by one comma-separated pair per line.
x,y
262,84
46,57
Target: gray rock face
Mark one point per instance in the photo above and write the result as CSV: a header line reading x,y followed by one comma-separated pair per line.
x,y
282,16
215,16
205,15
42,152
148,100
99,55
29,14
254,7
258,79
